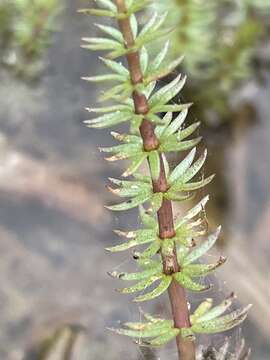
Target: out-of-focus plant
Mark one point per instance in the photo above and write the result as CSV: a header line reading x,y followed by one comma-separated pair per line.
x,y
219,39
171,260
25,32
67,342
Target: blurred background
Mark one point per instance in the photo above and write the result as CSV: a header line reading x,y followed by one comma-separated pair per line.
x,y
55,297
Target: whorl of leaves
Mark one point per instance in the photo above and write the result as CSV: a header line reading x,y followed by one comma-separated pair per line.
x,y
183,180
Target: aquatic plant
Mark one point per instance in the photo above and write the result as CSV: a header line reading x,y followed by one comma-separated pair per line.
x,y
228,32
172,249
25,32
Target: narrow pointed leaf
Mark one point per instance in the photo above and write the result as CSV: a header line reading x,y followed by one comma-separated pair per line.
x,y
183,134
130,204
194,169
102,78
223,323
136,163
160,289
217,310
108,4
160,56
98,12
154,164
198,270
112,31
150,251
157,270
164,71
195,185
193,212
188,283
109,119
165,338
201,310
177,122
170,145
202,249
182,167
116,67
141,237
156,201
142,285
148,220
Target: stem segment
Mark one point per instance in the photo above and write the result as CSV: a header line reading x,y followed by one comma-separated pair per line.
x,y
177,295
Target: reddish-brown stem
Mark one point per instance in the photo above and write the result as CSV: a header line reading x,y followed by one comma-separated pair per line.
x,y
177,295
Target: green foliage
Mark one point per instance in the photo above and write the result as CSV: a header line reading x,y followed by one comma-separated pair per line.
x,y
25,32
183,180
228,32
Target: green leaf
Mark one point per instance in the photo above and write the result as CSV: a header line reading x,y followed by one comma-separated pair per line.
x,y
116,67
140,237
148,220
101,44
130,204
177,122
188,283
169,107
182,167
108,109
134,25
153,323
166,93
108,5
193,212
182,251
154,164
137,6
152,250
165,338
194,185
160,289
144,59
123,151
166,165
97,12
201,310
166,120
168,247
149,24
156,270
172,145
198,270
164,71
140,334
202,249
223,323
127,138
160,57
183,134
102,78
108,120
116,34
174,196
136,163
216,311
194,169
141,286
156,201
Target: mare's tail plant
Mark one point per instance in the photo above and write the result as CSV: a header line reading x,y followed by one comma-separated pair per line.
x,y
170,259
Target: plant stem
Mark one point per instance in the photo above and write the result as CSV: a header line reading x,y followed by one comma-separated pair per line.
x,y
177,295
